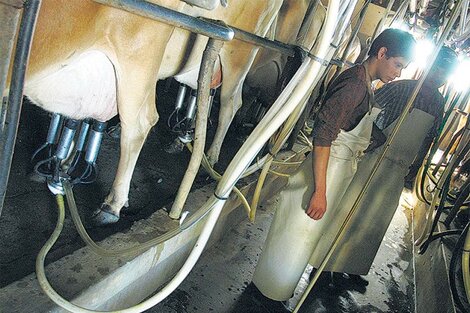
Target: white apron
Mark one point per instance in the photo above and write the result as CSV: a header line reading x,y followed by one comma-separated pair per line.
x,y
293,234
362,239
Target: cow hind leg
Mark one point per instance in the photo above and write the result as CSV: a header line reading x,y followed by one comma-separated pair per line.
x,y
138,115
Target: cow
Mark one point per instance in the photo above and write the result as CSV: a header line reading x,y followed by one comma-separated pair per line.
x,y
94,61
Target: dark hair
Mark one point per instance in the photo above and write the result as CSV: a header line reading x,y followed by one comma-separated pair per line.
x,y
398,43
446,58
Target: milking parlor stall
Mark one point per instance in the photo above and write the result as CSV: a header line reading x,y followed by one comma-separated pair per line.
x,y
145,145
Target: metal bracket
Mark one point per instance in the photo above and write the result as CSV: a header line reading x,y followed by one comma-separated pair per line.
x,y
323,62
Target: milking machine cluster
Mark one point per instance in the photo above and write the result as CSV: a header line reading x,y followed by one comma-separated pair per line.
x,y
70,152
181,120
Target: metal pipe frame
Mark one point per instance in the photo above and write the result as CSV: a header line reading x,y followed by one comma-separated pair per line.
x,y
400,13
9,129
172,17
463,18
203,26
263,42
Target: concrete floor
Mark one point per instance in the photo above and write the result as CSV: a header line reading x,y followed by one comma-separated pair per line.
x,y
220,282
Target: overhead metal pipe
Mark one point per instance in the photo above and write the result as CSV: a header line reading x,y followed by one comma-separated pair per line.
x,y
263,42
199,25
463,18
172,17
400,13
9,129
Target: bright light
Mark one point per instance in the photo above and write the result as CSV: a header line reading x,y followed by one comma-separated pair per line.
x,y
423,51
437,156
400,25
460,78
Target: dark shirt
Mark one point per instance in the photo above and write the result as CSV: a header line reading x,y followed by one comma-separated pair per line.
x,y
345,104
393,97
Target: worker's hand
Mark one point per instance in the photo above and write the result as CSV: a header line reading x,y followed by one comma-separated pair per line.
x,y
317,206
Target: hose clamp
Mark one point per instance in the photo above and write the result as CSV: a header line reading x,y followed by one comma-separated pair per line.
x,y
323,62
219,197
55,187
337,62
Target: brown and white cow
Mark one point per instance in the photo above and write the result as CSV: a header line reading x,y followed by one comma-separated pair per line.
x,y
89,60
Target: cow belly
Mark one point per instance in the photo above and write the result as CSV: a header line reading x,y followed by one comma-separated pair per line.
x,y
85,87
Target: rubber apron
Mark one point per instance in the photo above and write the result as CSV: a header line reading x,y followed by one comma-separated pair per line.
x,y
293,234
357,250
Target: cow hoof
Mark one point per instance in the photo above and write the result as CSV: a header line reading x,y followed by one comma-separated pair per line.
x,y
176,146
104,216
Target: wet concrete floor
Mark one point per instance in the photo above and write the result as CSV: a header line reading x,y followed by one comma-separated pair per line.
x,y
221,280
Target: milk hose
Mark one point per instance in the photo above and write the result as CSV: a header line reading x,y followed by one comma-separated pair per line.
x,y
442,187
216,176
460,253
150,302
282,138
188,222
420,179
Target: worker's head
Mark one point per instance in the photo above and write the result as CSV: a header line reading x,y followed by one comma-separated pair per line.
x,y
391,52
445,63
